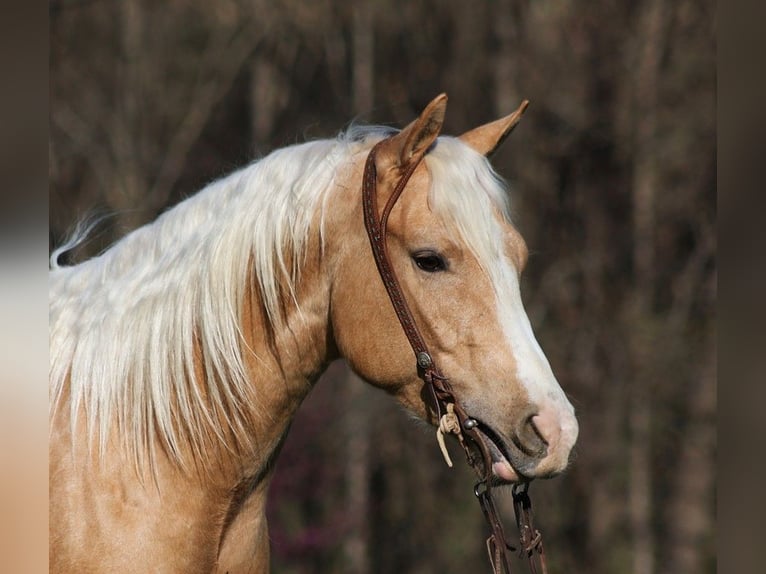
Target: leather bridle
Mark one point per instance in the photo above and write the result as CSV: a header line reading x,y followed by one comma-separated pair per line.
x,y
451,415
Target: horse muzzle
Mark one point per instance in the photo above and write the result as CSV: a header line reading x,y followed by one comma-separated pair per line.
x,y
538,446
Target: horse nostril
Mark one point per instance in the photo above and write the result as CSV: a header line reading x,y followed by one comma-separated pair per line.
x,y
529,439
533,423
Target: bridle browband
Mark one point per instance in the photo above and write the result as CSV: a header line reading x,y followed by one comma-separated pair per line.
x,y
449,412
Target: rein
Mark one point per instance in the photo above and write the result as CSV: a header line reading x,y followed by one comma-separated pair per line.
x,y
451,415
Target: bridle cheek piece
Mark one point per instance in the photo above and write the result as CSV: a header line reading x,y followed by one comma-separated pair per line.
x,y
452,418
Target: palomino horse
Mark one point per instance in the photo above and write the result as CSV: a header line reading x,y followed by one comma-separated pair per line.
x,y
180,355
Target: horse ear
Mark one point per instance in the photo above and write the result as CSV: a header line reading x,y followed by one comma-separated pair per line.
x,y
487,138
413,142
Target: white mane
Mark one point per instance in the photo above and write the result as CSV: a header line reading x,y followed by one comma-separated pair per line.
x,y
125,324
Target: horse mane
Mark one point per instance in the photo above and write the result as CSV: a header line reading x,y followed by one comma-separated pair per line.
x,y
128,326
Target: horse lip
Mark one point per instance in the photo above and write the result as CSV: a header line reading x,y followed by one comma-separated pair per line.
x,y
499,447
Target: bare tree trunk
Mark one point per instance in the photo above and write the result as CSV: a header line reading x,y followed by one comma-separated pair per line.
x,y
651,35
640,485
356,545
506,25
124,193
689,512
363,58
645,148
466,74
268,95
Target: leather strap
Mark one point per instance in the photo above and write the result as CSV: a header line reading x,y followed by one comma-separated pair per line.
x,y
439,388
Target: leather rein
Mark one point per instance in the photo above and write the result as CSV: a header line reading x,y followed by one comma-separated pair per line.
x,y
451,415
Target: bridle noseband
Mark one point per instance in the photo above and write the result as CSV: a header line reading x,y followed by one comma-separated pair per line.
x,y
449,412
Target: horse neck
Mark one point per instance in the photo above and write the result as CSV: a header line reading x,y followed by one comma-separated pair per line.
x,y
280,349
283,355
287,356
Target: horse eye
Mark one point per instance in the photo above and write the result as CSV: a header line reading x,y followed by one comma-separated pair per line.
x,y
429,262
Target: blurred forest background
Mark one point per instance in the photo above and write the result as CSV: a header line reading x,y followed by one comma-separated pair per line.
x,y
613,174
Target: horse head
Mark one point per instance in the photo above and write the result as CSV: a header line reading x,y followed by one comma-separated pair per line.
x,y
458,259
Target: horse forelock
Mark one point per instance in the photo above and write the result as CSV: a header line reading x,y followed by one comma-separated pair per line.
x,y
471,199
